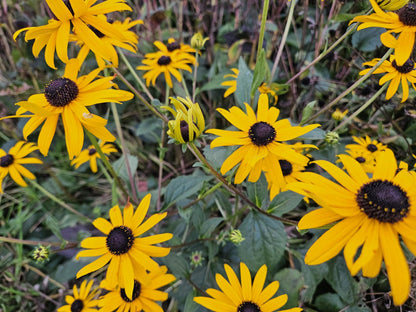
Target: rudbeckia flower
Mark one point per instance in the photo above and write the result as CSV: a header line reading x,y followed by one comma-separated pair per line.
x,y
261,139
90,154
82,299
128,41
366,146
392,5
184,50
232,83
402,22
370,214
12,161
165,62
69,96
145,294
396,75
128,253
339,115
83,15
189,121
244,296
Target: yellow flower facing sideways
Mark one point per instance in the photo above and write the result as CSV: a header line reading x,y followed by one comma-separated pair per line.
x,y
247,295
83,16
402,22
392,5
189,122
68,97
11,163
232,83
82,299
91,154
369,212
394,74
123,247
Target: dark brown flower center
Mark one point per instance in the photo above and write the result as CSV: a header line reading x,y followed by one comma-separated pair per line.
x,y
384,201
407,67
248,306
136,292
61,92
120,240
286,167
185,130
372,148
92,151
407,14
164,60
173,46
6,160
261,133
360,159
77,305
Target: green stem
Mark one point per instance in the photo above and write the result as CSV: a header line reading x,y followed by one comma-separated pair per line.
x,y
34,243
231,187
210,191
58,201
97,147
137,93
185,87
195,72
363,107
133,72
124,149
262,26
283,41
350,89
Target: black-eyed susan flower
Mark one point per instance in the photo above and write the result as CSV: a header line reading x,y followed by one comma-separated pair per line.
x,y
270,90
402,22
189,122
90,154
83,16
366,160
370,214
128,41
145,294
244,296
123,246
291,172
395,75
231,83
165,62
261,140
366,147
391,5
339,115
185,51
82,299
68,97
12,161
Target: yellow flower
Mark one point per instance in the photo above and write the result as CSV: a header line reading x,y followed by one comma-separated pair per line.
x,y
232,84
69,97
90,154
11,163
184,50
82,299
395,75
370,213
392,5
262,140
128,41
198,41
145,293
247,295
402,22
264,88
338,115
129,254
166,62
366,147
84,16
367,161
189,121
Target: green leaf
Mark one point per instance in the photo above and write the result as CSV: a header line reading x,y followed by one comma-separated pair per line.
x,y
209,226
284,202
120,166
177,265
183,187
313,275
368,39
257,192
265,241
261,72
54,226
329,303
308,110
291,281
244,81
214,83
190,304
149,130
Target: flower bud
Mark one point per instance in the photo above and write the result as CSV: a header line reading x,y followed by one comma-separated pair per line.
x,y
198,41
